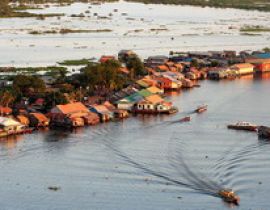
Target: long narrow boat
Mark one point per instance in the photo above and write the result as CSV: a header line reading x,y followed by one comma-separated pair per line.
x,y
243,126
201,109
229,196
185,119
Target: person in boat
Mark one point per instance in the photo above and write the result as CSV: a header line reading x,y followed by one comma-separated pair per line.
x,y
229,196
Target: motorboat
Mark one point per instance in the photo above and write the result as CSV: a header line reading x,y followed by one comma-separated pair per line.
x,y
229,196
185,119
243,126
201,109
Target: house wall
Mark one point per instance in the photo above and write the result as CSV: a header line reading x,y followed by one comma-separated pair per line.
x,y
263,67
125,106
161,107
247,70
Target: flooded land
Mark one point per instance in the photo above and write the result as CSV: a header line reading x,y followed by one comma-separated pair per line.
x,y
88,30
145,162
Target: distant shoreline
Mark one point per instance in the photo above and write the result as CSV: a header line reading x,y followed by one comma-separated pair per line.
x,y
262,5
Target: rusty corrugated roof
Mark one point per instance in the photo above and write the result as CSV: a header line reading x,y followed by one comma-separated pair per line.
x,y
72,108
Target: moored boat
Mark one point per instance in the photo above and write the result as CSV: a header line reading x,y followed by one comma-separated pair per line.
x,y
243,126
229,196
201,109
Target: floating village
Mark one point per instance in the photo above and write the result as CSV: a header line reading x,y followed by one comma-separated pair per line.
x,y
144,93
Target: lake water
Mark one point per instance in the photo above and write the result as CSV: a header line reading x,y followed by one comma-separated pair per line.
x,y
148,162
134,26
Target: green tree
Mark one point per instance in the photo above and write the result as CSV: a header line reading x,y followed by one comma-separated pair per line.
x,y
102,78
54,98
266,49
194,63
136,67
24,85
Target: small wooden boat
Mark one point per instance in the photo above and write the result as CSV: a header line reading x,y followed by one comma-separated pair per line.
x,y
201,109
264,132
243,126
185,119
173,110
229,196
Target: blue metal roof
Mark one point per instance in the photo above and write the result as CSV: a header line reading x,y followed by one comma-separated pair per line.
x,y
263,55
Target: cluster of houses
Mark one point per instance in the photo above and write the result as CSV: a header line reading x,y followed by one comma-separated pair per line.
x,y
223,64
144,96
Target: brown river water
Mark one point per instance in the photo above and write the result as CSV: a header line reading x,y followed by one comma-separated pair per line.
x,y
148,162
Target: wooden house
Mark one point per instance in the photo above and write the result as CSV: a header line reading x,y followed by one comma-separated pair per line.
x,y
117,113
155,90
23,120
243,68
154,61
69,115
105,58
154,105
218,73
260,65
9,126
38,120
104,114
91,119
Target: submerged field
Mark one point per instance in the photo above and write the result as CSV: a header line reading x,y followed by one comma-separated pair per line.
x,y
88,30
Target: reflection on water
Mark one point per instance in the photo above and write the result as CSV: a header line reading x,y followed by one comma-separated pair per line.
x,y
148,162
10,142
264,76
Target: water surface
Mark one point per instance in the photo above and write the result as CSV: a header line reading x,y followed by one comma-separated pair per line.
x,y
148,162
134,26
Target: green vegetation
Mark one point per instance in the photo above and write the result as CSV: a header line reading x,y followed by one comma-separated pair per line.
x,y
69,31
14,14
266,49
262,5
25,85
135,67
79,62
250,34
256,28
32,70
102,78
6,11
24,7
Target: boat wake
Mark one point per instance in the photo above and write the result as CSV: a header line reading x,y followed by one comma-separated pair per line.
x,y
181,167
177,172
